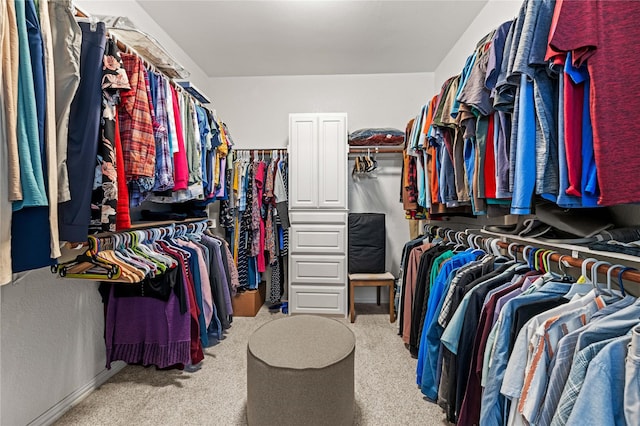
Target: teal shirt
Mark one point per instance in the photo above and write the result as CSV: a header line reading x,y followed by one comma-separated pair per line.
x,y
31,174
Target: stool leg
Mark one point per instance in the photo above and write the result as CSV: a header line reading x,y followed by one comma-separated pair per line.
x,y
378,295
352,308
392,316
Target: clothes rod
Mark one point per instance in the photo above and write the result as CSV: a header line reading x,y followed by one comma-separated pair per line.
x,y
376,150
629,275
573,261
261,150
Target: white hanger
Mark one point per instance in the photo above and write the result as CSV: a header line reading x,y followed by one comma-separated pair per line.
x,y
470,241
584,267
609,271
494,247
594,276
525,255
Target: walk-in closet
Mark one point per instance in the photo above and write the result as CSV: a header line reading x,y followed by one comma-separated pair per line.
x,y
284,212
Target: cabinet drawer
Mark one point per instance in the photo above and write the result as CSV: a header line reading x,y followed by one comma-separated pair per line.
x,y
311,238
318,269
317,300
318,216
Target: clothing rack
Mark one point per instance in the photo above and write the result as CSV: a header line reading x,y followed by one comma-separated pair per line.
x,y
252,153
142,226
463,237
261,150
376,150
96,241
128,49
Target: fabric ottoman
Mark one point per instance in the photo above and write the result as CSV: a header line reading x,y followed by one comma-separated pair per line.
x,y
300,372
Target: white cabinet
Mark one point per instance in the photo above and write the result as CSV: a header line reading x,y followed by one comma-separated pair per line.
x,y
318,161
318,213
332,162
303,164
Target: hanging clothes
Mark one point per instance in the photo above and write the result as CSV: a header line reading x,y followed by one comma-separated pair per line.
x,y
75,161
167,318
10,73
84,123
105,192
164,163
5,117
30,108
500,342
66,37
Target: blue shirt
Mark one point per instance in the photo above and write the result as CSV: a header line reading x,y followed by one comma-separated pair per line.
x,y
601,397
428,351
589,187
524,180
493,403
613,325
464,76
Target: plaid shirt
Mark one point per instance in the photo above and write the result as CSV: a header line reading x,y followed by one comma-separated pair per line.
x,y
446,305
164,164
136,125
576,380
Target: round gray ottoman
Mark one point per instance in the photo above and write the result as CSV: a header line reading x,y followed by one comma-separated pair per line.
x,y
300,372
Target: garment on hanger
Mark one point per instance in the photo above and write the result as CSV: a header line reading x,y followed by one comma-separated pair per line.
x,y
105,190
84,122
527,91
166,318
499,339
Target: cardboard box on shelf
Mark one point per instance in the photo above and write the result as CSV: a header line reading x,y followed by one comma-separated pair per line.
x,y
248,303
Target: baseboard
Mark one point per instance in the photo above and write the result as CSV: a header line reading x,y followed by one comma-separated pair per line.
x,y
55,412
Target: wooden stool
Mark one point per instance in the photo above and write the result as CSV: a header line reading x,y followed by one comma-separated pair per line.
x,y
372,280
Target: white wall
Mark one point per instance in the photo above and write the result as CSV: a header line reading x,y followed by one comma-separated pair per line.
x,y
52,343
256,109
490,17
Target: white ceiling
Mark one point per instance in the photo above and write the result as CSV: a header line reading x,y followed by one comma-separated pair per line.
x,y
305,37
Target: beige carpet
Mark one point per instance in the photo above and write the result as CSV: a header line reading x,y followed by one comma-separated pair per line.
x,y
386,393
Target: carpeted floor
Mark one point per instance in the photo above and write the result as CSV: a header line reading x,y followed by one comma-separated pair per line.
x,y
385,388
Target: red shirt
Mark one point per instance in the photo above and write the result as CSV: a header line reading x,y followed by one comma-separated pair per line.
x,y
490,161
123,219
136,127
604,34
180,165
573,103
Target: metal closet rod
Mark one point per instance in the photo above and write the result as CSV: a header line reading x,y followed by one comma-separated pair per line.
x,y
376,150
142,226
629,275
261,150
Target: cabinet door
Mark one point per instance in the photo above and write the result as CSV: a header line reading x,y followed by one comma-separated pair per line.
x,y
332,160
303,164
